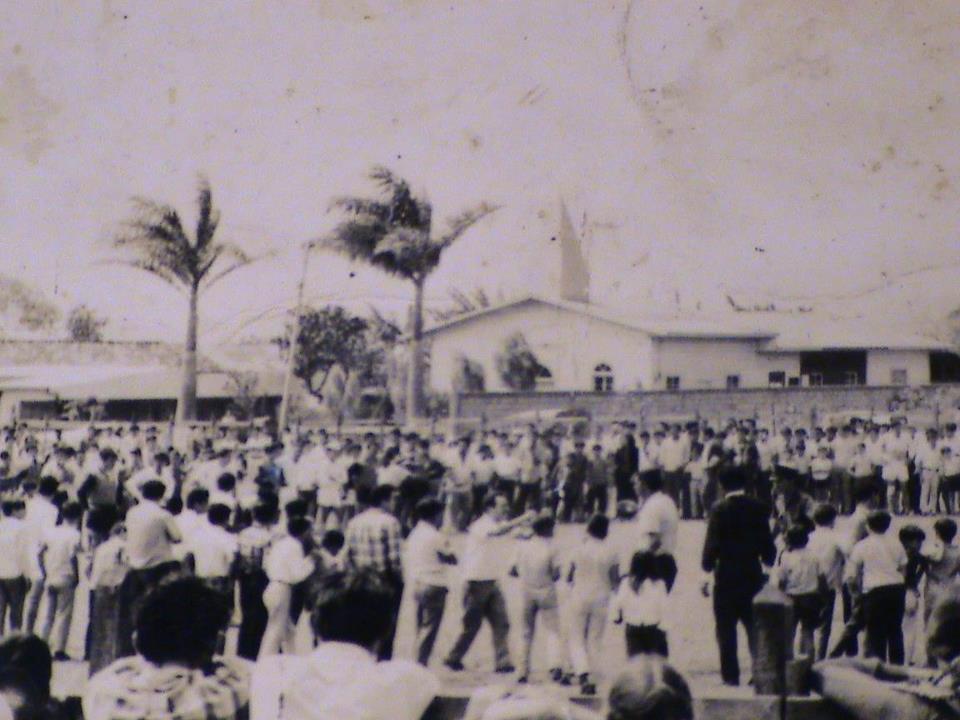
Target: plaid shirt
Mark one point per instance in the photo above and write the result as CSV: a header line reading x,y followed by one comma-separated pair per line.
x,y
373,541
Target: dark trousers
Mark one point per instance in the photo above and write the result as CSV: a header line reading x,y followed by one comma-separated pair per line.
x,y
646,640
596,500
396,587
529,497
728,610
483,600
135,586
253,620
826,624
853,623
479,495
883,609
672,482
431,600
13,593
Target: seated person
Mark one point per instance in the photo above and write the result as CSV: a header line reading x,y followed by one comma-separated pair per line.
x,y
341,678
175,674
874,690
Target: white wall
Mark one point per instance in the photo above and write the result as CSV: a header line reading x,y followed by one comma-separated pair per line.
x,y
570,344
881,363
703,364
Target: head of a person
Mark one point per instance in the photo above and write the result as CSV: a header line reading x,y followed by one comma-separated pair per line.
x,y
912,537
198,499
878,522
649,688
429,510
48,487
355,608
226,482
71,513
333,541
264,514
382,496
298,526
796,537
644,566
153,490
296,508
825,515
180,623
9,508
219,515
543,526
651,482
946,530
598,526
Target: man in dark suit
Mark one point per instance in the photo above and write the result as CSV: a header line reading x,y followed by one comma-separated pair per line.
x,y
738,541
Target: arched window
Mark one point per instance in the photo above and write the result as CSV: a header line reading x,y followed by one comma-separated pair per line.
x,y
602,378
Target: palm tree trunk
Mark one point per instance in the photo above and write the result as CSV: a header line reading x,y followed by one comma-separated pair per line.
x,y
187,402
415,400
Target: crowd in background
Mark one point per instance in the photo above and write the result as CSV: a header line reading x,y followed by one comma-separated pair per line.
x,y
266,528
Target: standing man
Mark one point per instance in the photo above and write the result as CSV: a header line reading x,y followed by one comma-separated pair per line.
x,y
373,540
658,523
738,541
481,571
426,562
151,535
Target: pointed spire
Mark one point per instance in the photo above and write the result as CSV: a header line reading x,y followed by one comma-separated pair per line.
x,y
574,272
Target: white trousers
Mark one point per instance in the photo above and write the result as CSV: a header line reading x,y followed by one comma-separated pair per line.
x,y
588,621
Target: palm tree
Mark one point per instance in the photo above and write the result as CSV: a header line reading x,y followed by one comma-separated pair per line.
x,y
155,241
394,234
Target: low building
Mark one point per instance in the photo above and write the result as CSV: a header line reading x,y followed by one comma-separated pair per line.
x,y
47,379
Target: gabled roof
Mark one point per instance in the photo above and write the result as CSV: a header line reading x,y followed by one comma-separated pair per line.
x,y
657,327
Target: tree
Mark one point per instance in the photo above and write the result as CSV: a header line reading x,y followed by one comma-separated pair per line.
x,y
84,325
26,306
393,233
517,365
461,303
329,338
156,242
244,388
469,375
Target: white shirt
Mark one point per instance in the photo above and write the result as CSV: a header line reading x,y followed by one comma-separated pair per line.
x,y
214,550
423,561
483,553
878,560
673,454
60,547
12,550
658,519
151,532
341,681
39,516
285,561
536,561
592,560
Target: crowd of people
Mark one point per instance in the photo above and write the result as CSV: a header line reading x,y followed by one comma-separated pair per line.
x,y
173,537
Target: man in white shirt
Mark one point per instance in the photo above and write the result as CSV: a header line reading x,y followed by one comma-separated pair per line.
x,y
658,522
214,550
674,455
59,563
426,564
341,678
152,533
13,584
481,569
40,514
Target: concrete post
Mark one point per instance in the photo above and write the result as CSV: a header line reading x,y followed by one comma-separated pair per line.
x,y
772,622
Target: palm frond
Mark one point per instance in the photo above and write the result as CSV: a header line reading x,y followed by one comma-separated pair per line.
x,y
387,179
236,258
356,239
459,224
157,270
406,252
208,218
363,206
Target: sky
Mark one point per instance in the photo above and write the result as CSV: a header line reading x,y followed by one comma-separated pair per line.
x,y
799,153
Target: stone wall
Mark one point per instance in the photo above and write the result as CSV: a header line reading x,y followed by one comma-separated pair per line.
x,y
923,405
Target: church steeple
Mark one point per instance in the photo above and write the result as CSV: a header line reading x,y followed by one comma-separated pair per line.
x,y
574,272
